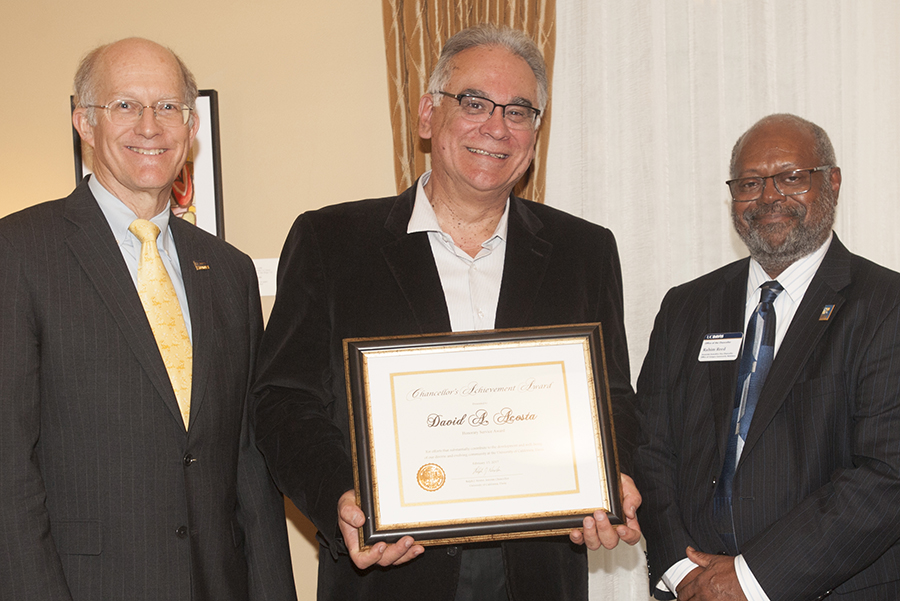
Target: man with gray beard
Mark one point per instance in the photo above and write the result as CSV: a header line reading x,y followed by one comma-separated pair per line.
x,y
769,400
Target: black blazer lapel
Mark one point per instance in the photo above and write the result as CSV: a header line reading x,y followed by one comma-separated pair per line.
x,y
94,246
802,337
197,287
527,257
726,314
411,262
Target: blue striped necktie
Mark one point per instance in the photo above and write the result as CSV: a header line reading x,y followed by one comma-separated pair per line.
x,y
756,359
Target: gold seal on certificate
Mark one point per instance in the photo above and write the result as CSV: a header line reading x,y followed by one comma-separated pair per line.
x,y
475,436
431,477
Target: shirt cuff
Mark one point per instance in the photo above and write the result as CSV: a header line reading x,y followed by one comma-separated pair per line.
x,y
752,590
675,574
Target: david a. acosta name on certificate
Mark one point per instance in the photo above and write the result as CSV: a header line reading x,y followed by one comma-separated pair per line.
x,y
480,418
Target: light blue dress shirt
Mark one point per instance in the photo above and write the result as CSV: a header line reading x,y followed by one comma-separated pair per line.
x,y
119,217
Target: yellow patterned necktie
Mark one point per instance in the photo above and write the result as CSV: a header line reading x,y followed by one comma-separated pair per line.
x,y
164,313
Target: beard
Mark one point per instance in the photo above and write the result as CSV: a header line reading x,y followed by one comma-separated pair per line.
x,y
777,245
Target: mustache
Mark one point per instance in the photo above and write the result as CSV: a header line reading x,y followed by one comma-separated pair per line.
x,y
776,208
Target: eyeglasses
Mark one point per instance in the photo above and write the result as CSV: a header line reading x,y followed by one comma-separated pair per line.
x,y
169,113
479,110
787,183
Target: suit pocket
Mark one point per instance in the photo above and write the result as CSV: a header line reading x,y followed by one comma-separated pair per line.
x,y
77,537
831,385
819,405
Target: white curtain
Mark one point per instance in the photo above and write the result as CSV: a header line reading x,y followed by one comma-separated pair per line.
x,y
648,98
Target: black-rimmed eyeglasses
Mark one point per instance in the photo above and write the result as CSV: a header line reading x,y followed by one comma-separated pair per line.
x,y
480,109
787,183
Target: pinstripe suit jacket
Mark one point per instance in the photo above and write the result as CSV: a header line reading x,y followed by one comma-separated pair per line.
x,y
104,495
817,488
352,270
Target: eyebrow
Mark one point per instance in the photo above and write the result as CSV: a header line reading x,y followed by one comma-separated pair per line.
x,y
133,97
516,100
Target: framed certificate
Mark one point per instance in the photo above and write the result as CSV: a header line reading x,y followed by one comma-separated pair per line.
x,y
477,436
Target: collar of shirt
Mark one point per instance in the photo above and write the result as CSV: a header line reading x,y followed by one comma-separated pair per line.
x,y
119,217
795,281
424,219
471,286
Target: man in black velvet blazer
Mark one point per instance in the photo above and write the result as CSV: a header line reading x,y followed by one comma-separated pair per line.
x,y
817,484
104,493
371,268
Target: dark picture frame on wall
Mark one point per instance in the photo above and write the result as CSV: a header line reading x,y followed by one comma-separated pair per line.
x,y
197,193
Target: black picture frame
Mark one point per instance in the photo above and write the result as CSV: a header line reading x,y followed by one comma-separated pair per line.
x,y
359,354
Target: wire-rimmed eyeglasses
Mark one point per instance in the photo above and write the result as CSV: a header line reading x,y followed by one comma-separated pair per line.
x,y
170,113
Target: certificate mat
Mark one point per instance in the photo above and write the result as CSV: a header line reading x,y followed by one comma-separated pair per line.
x,y
482,435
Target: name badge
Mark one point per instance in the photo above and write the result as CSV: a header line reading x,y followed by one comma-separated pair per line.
x,y
721,347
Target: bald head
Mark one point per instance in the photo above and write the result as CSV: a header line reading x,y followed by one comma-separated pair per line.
x,y
126,53
786,122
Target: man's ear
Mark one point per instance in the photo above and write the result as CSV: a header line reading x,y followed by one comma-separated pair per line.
x,y
834,180
426,112
83,126
195,125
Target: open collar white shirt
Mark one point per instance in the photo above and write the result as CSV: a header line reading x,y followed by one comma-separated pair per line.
x,y
471,284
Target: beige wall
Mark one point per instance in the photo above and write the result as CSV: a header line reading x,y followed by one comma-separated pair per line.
x,y
303,109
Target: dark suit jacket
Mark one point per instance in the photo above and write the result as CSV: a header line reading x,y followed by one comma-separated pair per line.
x,y
104,495
351,270
817,488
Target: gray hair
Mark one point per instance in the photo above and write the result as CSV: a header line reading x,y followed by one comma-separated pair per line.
x,y
87,85
823,148
513,40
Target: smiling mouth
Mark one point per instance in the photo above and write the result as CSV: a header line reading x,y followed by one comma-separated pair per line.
x,y
147,151
774,213
487,154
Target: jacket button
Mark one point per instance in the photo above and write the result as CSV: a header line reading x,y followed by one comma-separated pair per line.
x,y
188,460
452,551
714,481
181,532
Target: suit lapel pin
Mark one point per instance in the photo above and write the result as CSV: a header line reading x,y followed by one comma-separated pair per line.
x,y
200,265
826,313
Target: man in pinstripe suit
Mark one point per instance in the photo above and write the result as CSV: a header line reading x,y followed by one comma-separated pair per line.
x,y
816,487
106,492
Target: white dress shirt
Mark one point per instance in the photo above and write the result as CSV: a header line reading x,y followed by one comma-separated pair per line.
x,y
471,291
471,285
